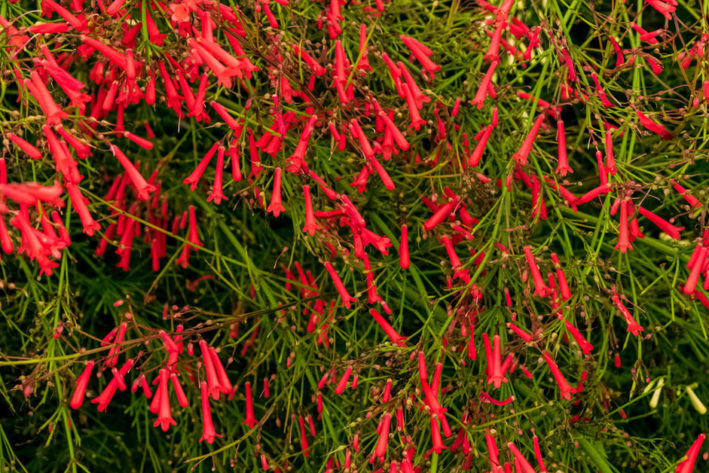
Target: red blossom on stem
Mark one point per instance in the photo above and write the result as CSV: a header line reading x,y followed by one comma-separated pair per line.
x,y
208,432
81,383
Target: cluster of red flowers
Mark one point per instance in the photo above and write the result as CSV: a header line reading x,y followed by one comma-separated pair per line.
x,y
211,52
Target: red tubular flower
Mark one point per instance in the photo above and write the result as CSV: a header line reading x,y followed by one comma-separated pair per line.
x,y
383,430
477,153
344,295
174,100
311,225
146,387
520,460
523,334
633,326
63,234
197,108
249,419
83,150
619,59
224,383
297,159
49,28
37,87
108,52
340,75
342,384
222,72
484,87
416,120
383,175
168,342
179,392
691,284
538,454
421,53
357,132
103,399
396,134
363,51
208,432
31,151
193,178
217,195
303,438
672,230
317,69
566,390
563,284
228,119
215,386
140,141
141,185
569,63
441,214
541,288
563,166
653,126
79,204
276,207
623,237
584,344
687,466
430,397
601,93
691,200
388,329
81,383
493,453
495,374
665,9
404,261
521,155
235,161
164,419
49,6
592,194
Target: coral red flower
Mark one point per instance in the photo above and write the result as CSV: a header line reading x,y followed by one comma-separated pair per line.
x,y
81,383
540,288
164,419
249,419
208,432
383,430
276,207
687,466
193,178
521,155
653,126
564,386
217,195
31,151
141,185
623,237
633,326
344,295
404,261
691,284
388,329
672,230
526,467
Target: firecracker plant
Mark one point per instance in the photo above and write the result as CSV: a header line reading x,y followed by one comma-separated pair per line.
x,y
346,236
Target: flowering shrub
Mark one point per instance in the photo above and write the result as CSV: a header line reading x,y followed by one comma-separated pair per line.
x,y
350,236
